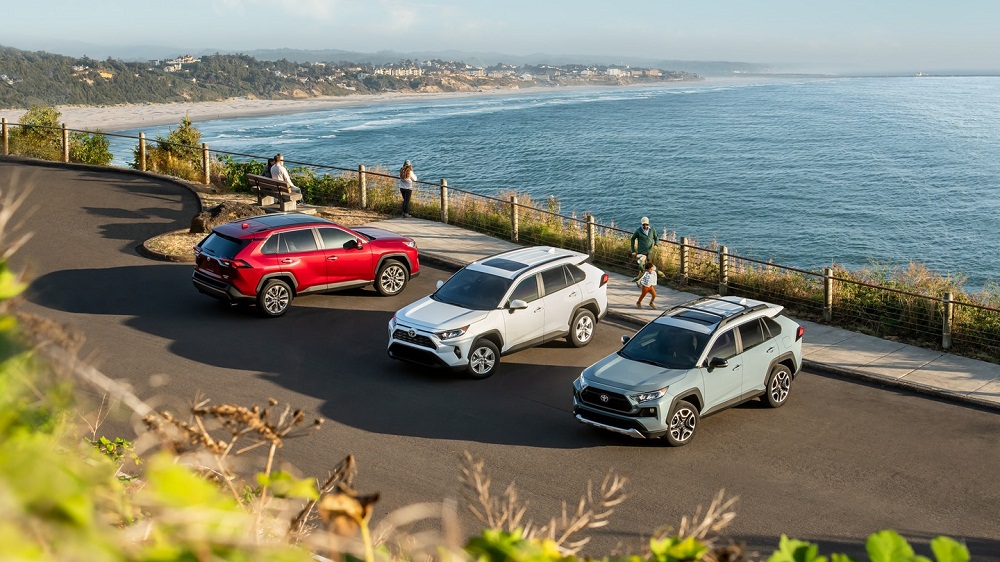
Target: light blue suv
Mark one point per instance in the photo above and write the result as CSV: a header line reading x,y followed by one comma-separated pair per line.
x,y
694,360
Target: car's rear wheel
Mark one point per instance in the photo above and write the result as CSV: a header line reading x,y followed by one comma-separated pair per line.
x,y
779,384
682,423
274,299
484,357
581,330
391,278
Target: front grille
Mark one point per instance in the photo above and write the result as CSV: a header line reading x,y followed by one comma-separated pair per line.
x,y
414,355
606,400
416,339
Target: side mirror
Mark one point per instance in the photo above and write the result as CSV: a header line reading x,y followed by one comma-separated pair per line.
x,y
353,244
717,363
625,339
517,304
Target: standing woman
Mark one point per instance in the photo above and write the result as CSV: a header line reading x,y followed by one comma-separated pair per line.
x,y
406,179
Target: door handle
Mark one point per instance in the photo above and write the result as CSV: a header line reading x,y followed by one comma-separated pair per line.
x,y
288,260
770,349
331,258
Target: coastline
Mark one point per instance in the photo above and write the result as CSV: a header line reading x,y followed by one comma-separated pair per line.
x,y
111,118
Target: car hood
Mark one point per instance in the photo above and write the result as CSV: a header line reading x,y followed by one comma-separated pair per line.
x,y
432,315
380,234
618,372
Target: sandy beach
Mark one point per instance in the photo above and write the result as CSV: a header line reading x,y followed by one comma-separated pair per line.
x,y
110,118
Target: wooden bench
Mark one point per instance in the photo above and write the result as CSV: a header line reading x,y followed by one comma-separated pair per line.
x,y
271,191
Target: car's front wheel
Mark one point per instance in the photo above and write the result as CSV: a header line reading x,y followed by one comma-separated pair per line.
x,y
391,278
274,299
484,357
779,384
682,423
581,330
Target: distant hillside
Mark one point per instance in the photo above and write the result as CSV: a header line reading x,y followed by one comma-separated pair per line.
x,y
38,78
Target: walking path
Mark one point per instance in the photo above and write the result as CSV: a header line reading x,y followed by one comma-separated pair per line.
x,y
825,348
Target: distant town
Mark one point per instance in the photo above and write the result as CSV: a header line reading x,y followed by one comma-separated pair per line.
x,y
38,78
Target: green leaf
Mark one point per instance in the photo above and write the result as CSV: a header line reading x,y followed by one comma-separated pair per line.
x,y
794,550
949,550
888,546
284,485
10,287
837,557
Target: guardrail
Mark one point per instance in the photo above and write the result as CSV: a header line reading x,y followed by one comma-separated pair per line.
x,y
949,320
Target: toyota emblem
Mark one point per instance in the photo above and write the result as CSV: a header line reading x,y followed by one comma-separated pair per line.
x,y
604,398
411,332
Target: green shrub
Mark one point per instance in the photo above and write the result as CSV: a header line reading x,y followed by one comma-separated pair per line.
x,y
40,134
90,148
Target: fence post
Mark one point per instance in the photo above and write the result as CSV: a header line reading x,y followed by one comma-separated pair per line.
x,y
513,218
723,271
142,152
684,258
946,320
205,163
362,187
827,294
444,201
591,236
6,137
65,143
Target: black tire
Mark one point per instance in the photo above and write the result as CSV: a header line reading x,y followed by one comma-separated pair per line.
x,y
391,278
274,298
581,329
779,384
682,424
484,358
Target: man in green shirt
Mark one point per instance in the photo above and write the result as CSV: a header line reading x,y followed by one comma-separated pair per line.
x,y
643,240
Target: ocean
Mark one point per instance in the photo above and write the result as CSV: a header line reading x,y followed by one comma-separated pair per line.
x,y
806,172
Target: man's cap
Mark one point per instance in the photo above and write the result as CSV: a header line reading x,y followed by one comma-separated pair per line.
x,y
645,220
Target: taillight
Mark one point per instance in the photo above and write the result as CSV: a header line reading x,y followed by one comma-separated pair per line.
x,y
604,280
799,333
235,264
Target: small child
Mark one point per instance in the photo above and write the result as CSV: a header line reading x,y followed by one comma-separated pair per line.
x,y
648,284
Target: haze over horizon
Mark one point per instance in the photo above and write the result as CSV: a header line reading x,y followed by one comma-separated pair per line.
x,y
848,36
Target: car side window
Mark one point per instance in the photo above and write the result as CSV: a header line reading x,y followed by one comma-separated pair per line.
x,y
771,328
295,241
554,280
271,245
526,290
724,346
334,238
752,334
575,273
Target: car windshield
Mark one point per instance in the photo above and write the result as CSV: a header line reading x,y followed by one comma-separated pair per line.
x,y
474,290
665,345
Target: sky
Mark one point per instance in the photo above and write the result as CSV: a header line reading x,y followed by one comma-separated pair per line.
x,y
803,35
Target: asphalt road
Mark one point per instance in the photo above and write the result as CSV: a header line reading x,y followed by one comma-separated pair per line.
x,y
840,461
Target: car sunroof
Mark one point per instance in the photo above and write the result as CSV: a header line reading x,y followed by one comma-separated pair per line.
x,y
505,264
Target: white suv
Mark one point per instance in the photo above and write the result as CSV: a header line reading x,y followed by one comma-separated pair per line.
x,y
501,304
694,360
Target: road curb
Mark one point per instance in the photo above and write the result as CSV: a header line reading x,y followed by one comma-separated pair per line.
x,y
910,386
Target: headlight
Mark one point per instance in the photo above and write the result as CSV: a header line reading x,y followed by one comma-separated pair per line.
x,y
648,396
580,383
411,243
392,322
449,334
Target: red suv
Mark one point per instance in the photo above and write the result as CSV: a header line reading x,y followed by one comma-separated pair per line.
x,y
269,259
